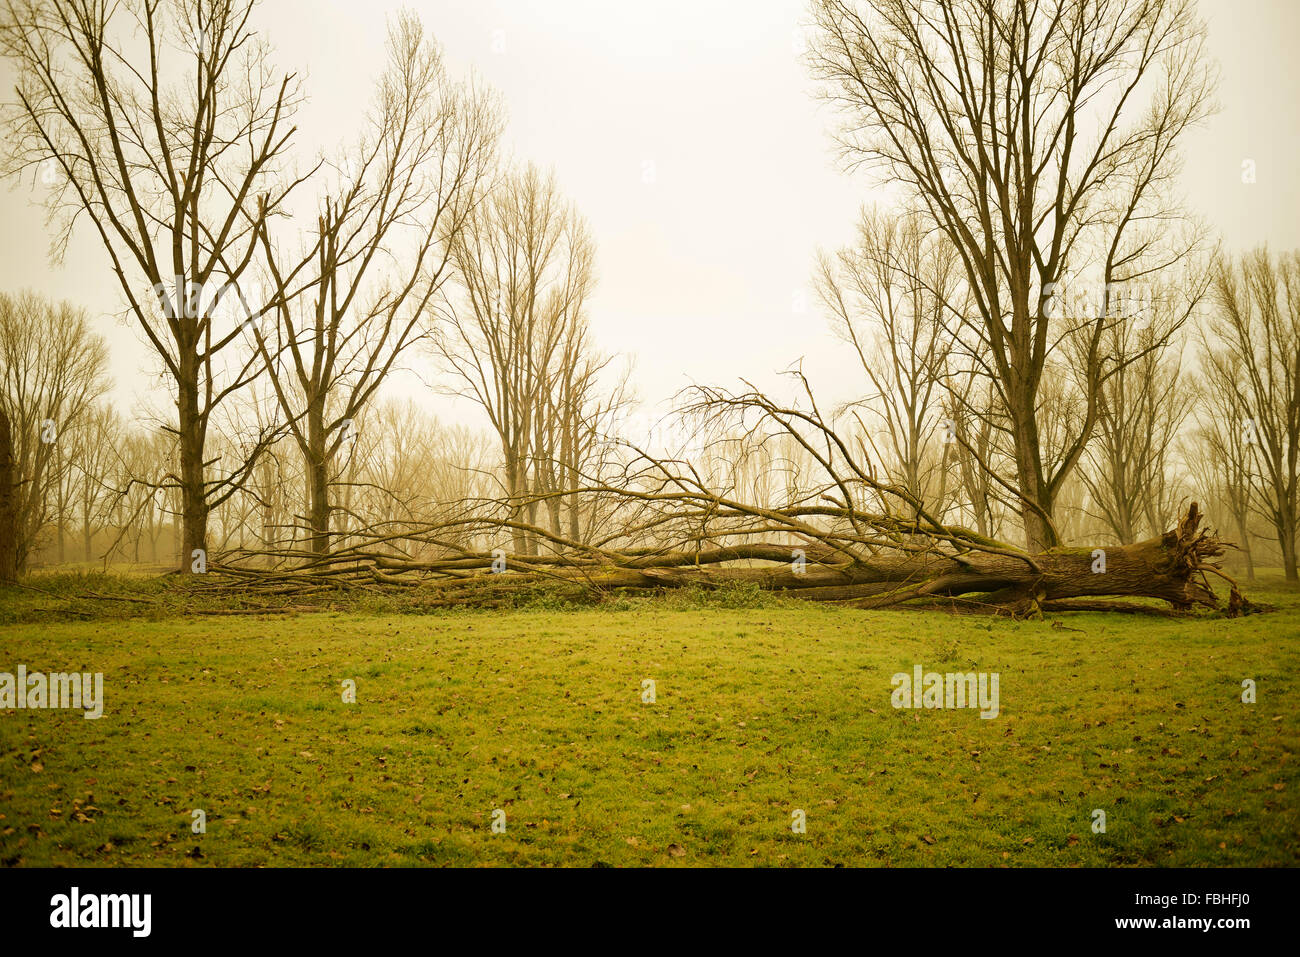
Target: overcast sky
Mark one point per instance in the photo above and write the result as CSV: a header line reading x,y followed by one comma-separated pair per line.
x,y
687,133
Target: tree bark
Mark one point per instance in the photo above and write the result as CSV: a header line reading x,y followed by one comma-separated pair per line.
x,y
1287,540
8,504
1166,568
317,465
1039,534
194,501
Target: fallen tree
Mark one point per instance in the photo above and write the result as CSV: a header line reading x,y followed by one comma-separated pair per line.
x,y
849,538
1173,568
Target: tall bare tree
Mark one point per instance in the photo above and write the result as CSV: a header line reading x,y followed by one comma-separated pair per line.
x,y
349,309
1251,359
53,369
162,125
1218,462
1130,469
578,407
524,265
8,504
1017,126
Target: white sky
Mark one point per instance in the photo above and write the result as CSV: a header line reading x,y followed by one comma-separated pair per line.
x,y
703,272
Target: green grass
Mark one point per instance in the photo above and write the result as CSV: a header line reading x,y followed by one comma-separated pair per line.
x,y
761,709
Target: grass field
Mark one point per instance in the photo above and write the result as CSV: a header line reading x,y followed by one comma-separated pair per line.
x,y
759,711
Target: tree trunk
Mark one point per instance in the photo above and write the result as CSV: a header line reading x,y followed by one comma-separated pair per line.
x,y
1286,539
1039,535
516,478
1166,568
316,462
1172,568
8,504
194,500
319,507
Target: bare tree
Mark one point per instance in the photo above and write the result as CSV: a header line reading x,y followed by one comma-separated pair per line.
x,y
137,496
134,493
1016,126
524,269
349,309
1218,461
1251,358
162,125
887,296
8,504
53,369
100,446
1129,468
578,407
